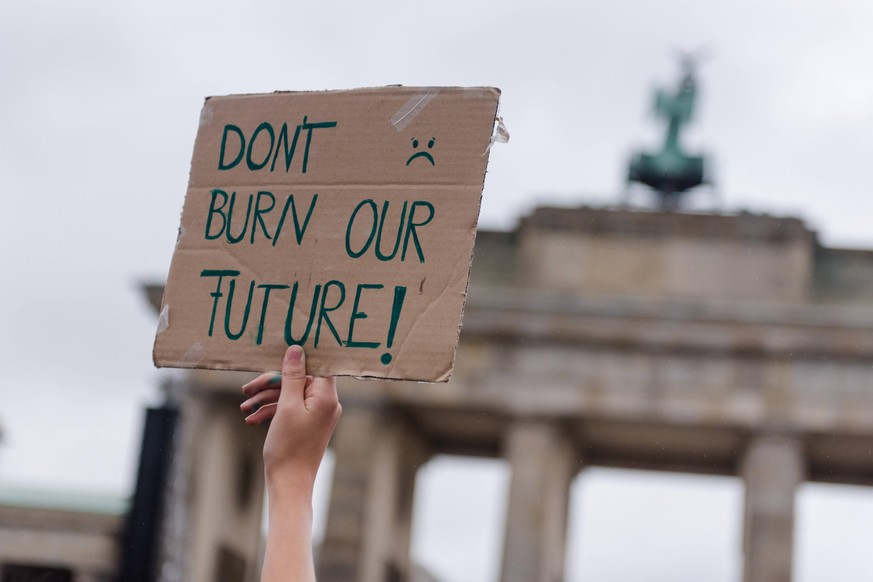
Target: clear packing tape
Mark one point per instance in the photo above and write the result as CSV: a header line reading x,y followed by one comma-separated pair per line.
x,y
418,102
412,108
500,135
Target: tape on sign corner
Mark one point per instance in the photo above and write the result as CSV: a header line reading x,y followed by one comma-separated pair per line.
x,y
206,114
500,135
476,92
412,108
192,357
163,320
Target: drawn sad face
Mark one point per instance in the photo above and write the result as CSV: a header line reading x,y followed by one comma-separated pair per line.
x,y
424,154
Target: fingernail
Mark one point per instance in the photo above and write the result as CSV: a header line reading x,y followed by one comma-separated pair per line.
x,y
294,353
276,379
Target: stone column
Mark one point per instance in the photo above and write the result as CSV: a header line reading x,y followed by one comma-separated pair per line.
x,y
772,468
544,462
212,525
378,453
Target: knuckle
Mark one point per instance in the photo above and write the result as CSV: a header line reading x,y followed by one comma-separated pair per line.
x,y
294,373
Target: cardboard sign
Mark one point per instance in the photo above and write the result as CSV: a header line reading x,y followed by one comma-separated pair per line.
x,y
342,221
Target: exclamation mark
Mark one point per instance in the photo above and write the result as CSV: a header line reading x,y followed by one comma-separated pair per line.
x,y
399,296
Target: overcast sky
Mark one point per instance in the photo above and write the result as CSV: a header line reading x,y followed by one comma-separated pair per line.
x,y
99,107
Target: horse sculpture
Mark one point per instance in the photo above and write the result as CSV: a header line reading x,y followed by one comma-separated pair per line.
x,y
670,172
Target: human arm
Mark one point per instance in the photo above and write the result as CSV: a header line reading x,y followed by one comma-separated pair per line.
x,y
304,411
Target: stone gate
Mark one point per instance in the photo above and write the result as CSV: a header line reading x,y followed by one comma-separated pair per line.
x,y
703,343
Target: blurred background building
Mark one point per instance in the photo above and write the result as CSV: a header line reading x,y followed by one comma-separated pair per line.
x,y
704,343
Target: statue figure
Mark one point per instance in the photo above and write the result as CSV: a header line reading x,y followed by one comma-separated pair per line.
x,y
671,171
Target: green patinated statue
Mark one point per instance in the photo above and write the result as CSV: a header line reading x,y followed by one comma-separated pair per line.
x,y
671,171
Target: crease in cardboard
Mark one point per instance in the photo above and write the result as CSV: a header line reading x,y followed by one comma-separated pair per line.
x,y
412,108
163,320
226,253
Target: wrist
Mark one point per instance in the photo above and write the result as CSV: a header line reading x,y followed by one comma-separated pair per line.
x,y
286,500
289,485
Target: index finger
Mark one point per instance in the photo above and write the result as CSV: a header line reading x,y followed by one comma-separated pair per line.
x,y
262,382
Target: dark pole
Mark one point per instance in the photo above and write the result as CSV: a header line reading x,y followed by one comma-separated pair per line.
x,y
141,550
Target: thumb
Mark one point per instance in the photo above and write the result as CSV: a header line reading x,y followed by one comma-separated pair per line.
x,y
293,374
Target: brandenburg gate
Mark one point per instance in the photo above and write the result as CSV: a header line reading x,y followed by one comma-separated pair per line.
x,y
702,343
